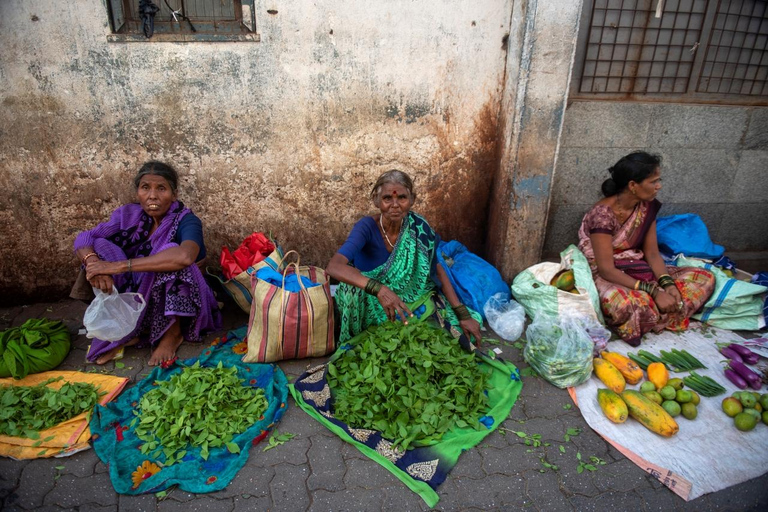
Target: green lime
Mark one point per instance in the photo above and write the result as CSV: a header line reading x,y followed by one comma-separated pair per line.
x,y
765,417
683,396
758,407
672,407
764,401
695,398
744,422
732,406
653,396
668,392
647,386
675,383
753,413
747,399
689,411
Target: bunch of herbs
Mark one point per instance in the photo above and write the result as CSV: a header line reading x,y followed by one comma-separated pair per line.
x,y
412,383
27,410
199,406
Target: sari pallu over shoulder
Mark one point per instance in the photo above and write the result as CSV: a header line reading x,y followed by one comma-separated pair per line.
x,y
180,293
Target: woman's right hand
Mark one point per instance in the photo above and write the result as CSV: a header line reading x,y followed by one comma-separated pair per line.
x,y
665,302
392,305
102,282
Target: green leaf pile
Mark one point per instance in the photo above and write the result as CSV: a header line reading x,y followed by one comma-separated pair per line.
x,y
411,382
199,406
28,409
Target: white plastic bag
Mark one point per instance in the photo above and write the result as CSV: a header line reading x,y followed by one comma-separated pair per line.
x,y
559,349
506,317
113,316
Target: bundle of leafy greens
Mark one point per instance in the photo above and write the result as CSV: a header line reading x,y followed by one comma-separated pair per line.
x,y
28,409
199,406
412,383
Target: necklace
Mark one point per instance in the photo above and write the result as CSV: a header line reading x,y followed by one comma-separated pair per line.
x,y
385,231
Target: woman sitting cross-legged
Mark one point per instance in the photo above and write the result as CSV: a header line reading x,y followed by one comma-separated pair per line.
x,y
388,268
638,292
152,247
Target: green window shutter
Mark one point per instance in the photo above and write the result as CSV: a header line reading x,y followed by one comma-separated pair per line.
x,y
116,15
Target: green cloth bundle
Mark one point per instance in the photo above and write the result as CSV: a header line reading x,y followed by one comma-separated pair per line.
x,y
37,346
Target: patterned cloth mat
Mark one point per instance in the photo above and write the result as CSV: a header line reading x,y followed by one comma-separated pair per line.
x,y
135,473
422,469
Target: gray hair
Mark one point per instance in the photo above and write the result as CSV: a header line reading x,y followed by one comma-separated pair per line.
x,y
158,169
392,176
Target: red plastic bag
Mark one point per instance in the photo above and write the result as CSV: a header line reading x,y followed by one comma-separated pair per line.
x,y
254,248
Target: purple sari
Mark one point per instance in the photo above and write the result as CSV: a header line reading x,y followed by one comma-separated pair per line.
x,y
181,293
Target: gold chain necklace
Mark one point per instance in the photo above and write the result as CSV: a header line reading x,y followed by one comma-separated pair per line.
x,y
385,231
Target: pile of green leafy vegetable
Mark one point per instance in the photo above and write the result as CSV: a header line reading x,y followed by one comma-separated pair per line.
x,y
28,409
199,406
411,382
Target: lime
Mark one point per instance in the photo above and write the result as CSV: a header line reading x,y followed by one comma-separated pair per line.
x,y
744,422
667,392
647,386
758,407
695,398
764,401
752,412
683,396
675,383
732,406
653,396
747,399
689,411
672,407
765,417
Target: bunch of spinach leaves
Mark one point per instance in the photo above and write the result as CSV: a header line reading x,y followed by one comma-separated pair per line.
x,y
28,409
199,406
411,382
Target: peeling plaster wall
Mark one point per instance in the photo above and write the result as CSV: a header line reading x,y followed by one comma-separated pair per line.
x,y
285,135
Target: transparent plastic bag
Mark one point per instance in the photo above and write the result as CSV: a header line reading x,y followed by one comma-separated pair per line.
x,y
596,331
113,316
506,317
559,349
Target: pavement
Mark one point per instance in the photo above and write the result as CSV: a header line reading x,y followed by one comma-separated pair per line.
x,y
317,471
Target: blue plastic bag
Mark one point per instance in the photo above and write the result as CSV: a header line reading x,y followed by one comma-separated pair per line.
x,y
686,234
474,279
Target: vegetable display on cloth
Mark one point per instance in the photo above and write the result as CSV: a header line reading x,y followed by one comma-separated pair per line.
x,y
203,407
46,414
379,380
412,383
36,346
26,410
191,424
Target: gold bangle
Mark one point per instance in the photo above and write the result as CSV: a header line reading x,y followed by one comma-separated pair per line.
x,y
85,258
637,284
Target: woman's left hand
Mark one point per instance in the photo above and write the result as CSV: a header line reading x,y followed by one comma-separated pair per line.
x,y
100,268
675,294
471,327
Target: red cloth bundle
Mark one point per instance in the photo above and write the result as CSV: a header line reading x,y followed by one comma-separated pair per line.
x,y
254,248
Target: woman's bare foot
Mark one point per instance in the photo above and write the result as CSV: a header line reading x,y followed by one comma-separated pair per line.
x,y
115,353
166,348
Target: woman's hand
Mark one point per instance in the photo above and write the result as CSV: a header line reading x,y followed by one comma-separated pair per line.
x,y
674,292
666,302
96,267
393,305
471,327
102,282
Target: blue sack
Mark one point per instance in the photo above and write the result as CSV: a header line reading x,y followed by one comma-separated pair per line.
x,y
291,281
474,279
686,234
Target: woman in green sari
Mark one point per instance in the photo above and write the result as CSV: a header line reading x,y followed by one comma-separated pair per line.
x,y
388,269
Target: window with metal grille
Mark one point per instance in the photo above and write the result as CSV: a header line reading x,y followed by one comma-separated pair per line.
x,y
674,50
184,20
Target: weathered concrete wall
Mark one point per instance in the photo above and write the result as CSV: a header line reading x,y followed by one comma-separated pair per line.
x,y
285,135
714,164
542,42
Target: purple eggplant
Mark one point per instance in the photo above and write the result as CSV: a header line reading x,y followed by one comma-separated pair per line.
x,y
748,375
751,359
731,354
743,351
736,379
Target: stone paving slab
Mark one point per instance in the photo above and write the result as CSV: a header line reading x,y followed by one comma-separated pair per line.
x,y
317,471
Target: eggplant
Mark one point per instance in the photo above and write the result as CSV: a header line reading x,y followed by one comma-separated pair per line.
x,y
743,351
748,375
731,354
751,359
736,379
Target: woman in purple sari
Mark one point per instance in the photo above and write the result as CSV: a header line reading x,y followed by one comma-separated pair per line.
x,y
638,292
152,247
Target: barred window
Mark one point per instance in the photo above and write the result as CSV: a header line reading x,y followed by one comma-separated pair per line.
x,y
184,20
696,50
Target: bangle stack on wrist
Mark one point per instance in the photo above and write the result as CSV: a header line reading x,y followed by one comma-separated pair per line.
x,y
666,280
372,287
648,287
462,313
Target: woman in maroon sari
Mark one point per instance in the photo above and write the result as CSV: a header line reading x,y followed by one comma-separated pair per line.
x,y
152,247
638,292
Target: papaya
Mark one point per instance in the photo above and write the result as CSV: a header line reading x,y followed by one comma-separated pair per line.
x,y
651,415
628,368
609,375
564,280
658,374
612,405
